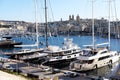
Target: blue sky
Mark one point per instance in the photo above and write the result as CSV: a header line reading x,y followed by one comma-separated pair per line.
x,y
23,10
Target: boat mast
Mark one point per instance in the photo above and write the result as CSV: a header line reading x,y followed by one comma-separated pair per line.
x,y
36,24
93,41
109,26
46,24
116,20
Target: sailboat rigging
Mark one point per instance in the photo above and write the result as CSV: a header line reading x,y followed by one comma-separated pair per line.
x,y
68,51
109,25
36,26
93,43
117,35
93,58
30,51
46,24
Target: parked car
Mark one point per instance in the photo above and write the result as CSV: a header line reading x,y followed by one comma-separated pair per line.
x,y
46,69
54,71
8,67
71,74
98,78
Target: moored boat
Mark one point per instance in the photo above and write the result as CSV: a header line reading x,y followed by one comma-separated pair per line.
x,y
96,57
93,59
68,51
8,43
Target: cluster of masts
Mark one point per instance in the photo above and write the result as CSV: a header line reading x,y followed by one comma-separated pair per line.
x,y
85,60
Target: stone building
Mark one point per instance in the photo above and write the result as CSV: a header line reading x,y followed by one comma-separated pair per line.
x,y
78,18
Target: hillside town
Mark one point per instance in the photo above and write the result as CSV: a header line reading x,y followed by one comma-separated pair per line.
x,y
73,26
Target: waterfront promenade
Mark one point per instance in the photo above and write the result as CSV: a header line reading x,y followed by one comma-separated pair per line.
x,y
8,76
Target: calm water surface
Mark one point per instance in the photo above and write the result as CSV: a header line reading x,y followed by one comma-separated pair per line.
x,y
79,40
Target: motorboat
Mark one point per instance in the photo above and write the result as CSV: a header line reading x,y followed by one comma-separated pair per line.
x,y
93,59
68,51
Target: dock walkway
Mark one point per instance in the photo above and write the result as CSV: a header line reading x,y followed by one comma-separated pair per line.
x,y
38,72
41,72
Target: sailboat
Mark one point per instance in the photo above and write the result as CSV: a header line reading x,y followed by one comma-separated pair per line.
x,y
24,52
68,51
95,57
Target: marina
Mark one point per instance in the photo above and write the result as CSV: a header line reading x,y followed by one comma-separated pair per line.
x,y
74,49
36,70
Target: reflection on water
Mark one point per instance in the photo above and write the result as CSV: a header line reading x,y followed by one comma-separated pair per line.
x,y
105,71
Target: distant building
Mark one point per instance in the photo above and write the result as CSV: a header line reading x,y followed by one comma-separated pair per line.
x,y
61,19
2,23
71,17
78,18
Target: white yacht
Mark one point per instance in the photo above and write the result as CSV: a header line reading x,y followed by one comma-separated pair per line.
x,y
93,59
33,56
24,52
68,51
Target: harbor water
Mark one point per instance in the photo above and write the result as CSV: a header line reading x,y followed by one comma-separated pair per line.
x,y
79,40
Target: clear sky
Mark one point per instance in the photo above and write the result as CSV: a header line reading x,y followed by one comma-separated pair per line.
x,y
23,10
